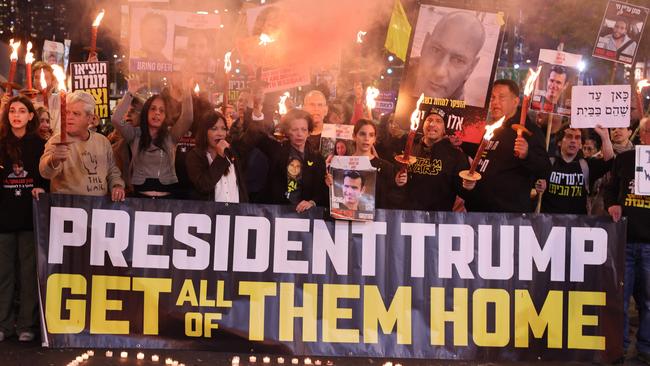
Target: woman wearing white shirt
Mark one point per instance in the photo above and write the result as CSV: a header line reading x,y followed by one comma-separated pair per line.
x,y
212,167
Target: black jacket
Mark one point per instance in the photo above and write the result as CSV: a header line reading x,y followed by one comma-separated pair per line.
x,y
16,190
204,176
507,180
313,186
433,181
621,192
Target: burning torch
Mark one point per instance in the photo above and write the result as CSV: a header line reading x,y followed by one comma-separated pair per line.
x,y
472,174
371,95
44,89
528,89
93,37
416,116
30,92
10,85
282,105
227,66
59,74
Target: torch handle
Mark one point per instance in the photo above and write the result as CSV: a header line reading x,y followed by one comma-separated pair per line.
x,y
477,157
524,111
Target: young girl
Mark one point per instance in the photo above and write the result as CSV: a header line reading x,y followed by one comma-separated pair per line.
x,y
212,167
153,143
296,170
387,194
20,151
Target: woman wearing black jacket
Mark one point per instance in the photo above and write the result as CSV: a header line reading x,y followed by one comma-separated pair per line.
x,y
296,170
212,167
20,151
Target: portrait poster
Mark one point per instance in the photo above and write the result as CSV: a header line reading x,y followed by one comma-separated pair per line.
x,y
620,32
336,140
452,61
552,93
352,194
53,53
165,40
642,171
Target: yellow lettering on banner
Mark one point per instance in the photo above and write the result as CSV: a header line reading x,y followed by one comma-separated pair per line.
x,y
221,301
577,319
308,311
193,324
187,293
209,325
203,295
100,305
458,316
549,318
151,287
399,312
257,291
55,284
501,335
332,313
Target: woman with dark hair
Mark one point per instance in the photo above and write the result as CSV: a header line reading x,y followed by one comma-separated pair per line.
x,y
387,192
296,170
20,151
213,169
44,120
153,142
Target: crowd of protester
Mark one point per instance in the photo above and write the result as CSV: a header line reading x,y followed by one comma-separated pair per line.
x,y
177,145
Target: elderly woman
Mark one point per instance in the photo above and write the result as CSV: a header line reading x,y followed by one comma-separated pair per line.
x,y
153,142
296,169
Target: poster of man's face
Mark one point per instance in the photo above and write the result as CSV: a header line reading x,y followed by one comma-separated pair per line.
x,y
353,194
559,74
452,59
151,40
620,32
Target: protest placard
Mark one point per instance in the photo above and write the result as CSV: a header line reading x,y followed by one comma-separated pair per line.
x,y
92,77
642,171
352,195
620,32
605,105
336,140
553,86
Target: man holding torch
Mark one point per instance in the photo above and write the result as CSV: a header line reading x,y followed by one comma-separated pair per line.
x,y
511,163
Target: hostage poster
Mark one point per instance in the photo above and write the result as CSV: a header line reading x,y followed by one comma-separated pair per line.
x,y
452,61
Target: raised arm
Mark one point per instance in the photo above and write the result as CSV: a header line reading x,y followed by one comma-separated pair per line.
x,y
186,118
128,131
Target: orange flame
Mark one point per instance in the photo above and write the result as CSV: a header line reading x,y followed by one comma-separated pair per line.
x,y
29,57
43,82
282,106
265,39
227,65
360,35
197,90
14,53
489,129
417,114
371,94
98,19
530,82
59,74
642,84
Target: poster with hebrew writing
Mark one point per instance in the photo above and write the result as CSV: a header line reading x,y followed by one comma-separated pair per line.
x,y
604,105
92,77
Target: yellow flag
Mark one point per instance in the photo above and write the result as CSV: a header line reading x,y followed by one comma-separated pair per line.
x,y
399,32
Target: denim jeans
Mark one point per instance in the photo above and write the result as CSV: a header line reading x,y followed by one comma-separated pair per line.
x,y
637,284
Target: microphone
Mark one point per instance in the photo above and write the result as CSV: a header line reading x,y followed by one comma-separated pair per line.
x,y
229,155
